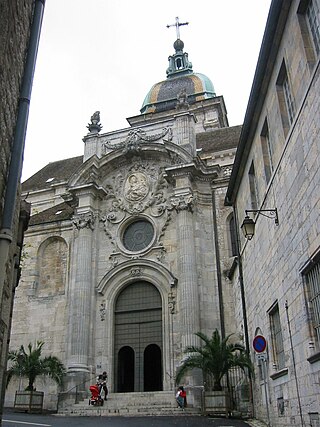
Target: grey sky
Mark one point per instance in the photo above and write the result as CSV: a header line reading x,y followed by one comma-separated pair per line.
x,y
106,54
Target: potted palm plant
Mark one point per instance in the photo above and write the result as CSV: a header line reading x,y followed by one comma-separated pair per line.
x,y
216,357
28,363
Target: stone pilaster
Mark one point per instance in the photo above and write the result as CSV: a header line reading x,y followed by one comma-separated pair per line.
x,y
92,146
81,295
185,132
188,284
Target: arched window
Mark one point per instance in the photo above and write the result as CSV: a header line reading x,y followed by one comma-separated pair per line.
x,y
52,263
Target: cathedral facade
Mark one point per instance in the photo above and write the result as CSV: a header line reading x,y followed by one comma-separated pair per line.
x,y
137,245
128,246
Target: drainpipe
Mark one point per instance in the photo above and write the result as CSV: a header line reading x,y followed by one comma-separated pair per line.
x,y
243,299
241,283
218,263
15,168
294,364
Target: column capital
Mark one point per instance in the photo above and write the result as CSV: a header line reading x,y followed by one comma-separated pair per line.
x,y
183,202
84,220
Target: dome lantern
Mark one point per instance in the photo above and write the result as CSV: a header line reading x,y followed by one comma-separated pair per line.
x,y
164,95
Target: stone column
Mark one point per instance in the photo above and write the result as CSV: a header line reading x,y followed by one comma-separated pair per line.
x,y
188,283
185,132
80,294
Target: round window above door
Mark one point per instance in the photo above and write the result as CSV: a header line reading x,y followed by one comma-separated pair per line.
x,y
138,235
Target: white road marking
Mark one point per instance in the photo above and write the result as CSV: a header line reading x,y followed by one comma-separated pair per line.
x,y
24,422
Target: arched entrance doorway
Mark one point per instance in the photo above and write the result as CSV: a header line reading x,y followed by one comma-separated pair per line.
x,y
138,338
152,368
126,369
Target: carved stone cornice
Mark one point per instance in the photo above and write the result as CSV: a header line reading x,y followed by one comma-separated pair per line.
x,y
90,189
195,170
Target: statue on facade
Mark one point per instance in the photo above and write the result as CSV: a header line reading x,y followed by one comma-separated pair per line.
x,y
182,100
95,125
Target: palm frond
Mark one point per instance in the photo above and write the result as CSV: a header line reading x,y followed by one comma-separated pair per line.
x,y
29,363
215,357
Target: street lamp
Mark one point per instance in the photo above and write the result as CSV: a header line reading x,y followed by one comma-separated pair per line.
x,y
248,225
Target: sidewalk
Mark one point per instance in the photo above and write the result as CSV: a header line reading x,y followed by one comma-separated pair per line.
x,y
256,423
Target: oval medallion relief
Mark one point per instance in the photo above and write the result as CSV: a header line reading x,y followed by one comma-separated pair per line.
x,y
136,187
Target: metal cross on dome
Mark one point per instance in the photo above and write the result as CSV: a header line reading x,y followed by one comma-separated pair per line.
x,y
177,25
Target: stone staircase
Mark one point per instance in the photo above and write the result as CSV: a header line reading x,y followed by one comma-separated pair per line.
x,y
131,404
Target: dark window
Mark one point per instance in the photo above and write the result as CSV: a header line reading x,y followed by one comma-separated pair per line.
x,y
138,235
253,187
232,236
267,151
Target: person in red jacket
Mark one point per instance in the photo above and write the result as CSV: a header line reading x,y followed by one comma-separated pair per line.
x,y
181,397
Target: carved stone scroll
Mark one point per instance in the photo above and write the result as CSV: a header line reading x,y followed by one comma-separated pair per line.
x,y
136,137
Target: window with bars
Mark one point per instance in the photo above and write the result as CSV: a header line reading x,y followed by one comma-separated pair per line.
x,y
312,279
313,20
267,150
276,337
309,21
288,99
285,98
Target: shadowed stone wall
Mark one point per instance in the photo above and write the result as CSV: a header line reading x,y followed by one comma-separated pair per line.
x,y
16,16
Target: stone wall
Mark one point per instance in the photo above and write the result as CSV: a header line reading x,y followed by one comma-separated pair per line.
x,y
16,18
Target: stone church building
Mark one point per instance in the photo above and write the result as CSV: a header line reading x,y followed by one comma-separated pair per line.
x,y
137,245
128,245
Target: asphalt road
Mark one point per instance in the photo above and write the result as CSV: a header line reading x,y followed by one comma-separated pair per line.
x,y
12,419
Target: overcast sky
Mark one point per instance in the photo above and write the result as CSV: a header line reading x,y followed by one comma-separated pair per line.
x,y
106,54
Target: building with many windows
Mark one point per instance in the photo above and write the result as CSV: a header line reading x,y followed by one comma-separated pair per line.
x,y
274,187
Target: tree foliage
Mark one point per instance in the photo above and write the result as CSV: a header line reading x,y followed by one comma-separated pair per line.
x,y
28,363
215,358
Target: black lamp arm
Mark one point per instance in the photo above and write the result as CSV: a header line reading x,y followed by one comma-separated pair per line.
x,y
272,213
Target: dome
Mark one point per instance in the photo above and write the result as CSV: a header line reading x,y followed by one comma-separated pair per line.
x,y
163,95
180,79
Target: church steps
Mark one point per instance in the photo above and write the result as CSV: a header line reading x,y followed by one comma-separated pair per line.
x,y
131,404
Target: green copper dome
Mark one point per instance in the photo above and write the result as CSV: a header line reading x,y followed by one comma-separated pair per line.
x,y
180,80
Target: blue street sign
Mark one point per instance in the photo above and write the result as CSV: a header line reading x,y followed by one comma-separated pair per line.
x,y
259,343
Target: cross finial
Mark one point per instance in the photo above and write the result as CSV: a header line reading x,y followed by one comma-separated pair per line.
x,y
177,25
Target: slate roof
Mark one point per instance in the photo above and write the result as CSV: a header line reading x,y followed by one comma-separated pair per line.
x,y
59,212
60,171
219,139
